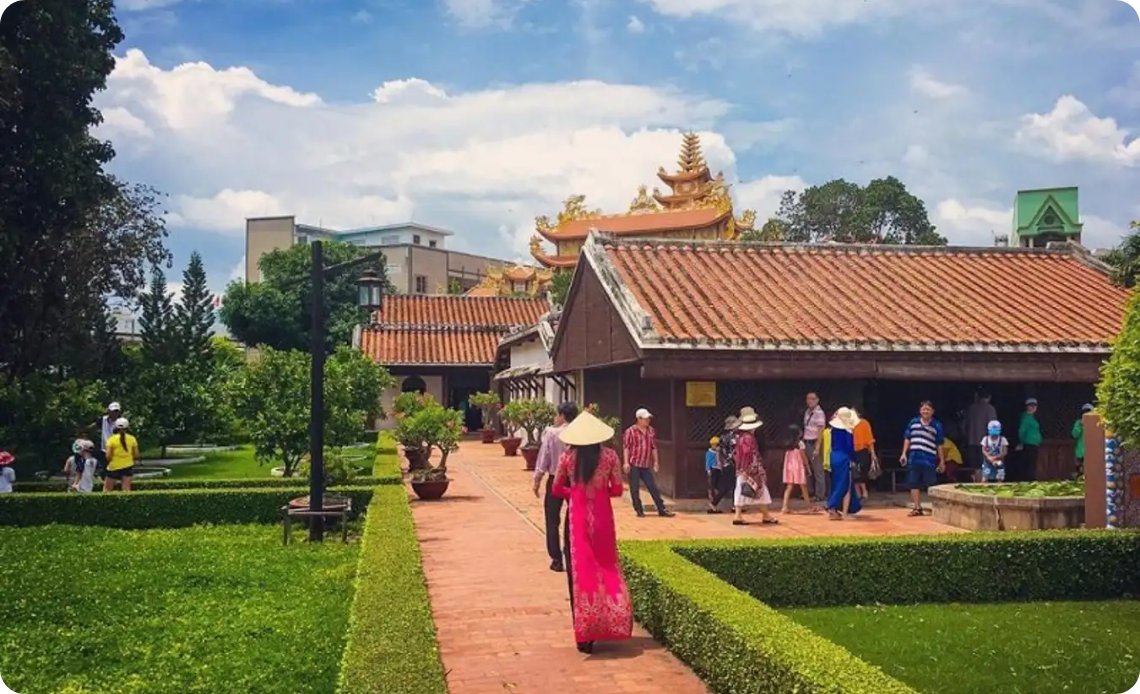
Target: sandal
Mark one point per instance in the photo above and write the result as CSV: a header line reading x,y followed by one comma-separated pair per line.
x,y
915,512
770,521
739,522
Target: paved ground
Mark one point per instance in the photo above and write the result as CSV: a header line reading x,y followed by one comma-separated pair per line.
x,y
504,619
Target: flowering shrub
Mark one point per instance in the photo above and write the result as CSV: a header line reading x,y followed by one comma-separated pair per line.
x,y
532,416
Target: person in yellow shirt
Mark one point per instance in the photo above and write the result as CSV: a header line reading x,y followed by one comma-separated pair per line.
x,y
953,458
122,456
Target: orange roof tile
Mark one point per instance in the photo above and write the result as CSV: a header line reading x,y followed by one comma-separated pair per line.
x,y
621,225
446,330
743,296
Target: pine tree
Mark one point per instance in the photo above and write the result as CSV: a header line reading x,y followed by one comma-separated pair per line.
x,y
194,317
156,322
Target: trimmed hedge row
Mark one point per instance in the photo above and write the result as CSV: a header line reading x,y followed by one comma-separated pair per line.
x,y
160,509
736,644
175,483
386,467
970,568
392,647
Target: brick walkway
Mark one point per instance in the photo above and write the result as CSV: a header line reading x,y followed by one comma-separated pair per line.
x,y
504,619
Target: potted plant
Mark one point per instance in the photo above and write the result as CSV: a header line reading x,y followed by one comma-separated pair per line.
x,y
406,406
487,403
613,422
339,470
433,426
532,417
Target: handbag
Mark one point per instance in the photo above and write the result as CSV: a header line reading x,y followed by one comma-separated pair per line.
x,y
747,490
876,470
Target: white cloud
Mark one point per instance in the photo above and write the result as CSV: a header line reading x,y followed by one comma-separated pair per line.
x,y
1099,232
138,5
482,162
362,17
925,84
764,195
973,224
635,25
917,156
1128,94
119,122
481,14
805,18
1072,132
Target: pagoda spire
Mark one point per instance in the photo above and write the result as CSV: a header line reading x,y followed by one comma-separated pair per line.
x,y
692,159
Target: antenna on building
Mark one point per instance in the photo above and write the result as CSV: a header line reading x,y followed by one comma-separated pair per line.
x,y
1000,240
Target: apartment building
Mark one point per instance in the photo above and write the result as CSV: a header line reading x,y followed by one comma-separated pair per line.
x,y
417,256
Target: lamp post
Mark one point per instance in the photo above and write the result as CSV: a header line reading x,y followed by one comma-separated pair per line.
x,y
370,296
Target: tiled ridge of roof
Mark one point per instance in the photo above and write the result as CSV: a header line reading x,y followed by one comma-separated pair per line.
x,y
789,297
444,309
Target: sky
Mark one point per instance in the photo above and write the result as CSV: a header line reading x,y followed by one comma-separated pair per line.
x,y
478,115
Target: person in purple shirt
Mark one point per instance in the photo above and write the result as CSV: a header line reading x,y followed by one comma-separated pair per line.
x,y
549,453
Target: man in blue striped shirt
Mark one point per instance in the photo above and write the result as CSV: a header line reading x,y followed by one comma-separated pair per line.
x,y
922,454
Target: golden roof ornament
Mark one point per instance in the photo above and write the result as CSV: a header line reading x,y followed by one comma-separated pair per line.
x,y
692,159
643,203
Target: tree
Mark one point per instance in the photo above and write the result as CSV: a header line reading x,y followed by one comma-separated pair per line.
x,y
156,325
193,323
272,397
1125,258
560,286
773,231
840,211
71,234
275,311
1119,387
41,415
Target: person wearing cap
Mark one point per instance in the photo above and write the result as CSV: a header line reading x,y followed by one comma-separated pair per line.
x,y
922,454
81,466
1029,442
1079,436
7,474
122,456
107,423
995,448
843,502
713,472
589,476
549,453
640,462
751,478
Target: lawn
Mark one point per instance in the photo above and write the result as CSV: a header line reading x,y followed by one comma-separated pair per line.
x,y
223,609
238,464
1015,648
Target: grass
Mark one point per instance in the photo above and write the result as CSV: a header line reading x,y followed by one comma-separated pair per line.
x,y
1013,648
239,464
94,610
1027,489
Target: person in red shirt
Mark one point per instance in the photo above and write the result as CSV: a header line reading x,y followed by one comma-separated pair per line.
x,y
640,462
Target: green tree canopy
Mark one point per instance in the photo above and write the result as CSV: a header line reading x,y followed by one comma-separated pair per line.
x,y
1125,258
883,211
1119,387
275,311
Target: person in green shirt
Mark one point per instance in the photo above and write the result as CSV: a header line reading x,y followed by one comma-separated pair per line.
x,y
1029,441
1079,435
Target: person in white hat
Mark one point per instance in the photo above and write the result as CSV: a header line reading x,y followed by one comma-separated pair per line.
x,y
640,462
122,456
751,479
107,423
589,476
843,500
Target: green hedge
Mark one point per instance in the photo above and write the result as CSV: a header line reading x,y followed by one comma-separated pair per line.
x,y
392,647
159,509
386,467
973,568
736,644
167,484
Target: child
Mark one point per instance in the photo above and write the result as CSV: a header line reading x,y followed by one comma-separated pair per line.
x,y
72,464
83,467
796,469
995,447
7,474
713,469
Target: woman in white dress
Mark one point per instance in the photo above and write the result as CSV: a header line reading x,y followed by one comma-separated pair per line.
x,y
751,480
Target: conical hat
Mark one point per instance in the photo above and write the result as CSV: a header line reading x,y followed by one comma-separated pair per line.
x,y
586,430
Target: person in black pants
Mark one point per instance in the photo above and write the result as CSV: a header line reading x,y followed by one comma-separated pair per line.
x,y
546,465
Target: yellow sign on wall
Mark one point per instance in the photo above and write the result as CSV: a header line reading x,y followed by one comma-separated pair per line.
x,y
700,393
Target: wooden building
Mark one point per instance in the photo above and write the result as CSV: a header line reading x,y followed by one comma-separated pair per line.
x,y
444,345
696,330
697,206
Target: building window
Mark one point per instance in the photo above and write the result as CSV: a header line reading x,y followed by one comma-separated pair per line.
x,y
421,284
431,244
416,239
389,240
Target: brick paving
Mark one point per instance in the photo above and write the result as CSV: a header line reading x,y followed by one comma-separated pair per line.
x,y
504,619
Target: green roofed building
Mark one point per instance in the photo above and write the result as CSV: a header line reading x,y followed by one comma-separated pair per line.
x,y
1044,216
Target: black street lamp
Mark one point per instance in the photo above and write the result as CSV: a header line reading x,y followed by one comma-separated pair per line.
x,y
370,297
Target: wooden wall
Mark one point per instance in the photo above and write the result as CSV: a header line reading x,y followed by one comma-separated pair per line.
x,y
590,333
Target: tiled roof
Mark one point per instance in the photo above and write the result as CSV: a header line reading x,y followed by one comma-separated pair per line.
x,y
446,330
785,297
641,223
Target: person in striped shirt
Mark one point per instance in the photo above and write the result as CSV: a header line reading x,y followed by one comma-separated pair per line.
x,y
922,454
640,462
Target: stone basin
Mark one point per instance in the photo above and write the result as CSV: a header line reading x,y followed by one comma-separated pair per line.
x,y
970,511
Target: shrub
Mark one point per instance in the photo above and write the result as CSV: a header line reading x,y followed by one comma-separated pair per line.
x,y
175,483
974,568
339,468
532,416
430,427
386,467
392,646
486,402
159,509
1028,489
1119,387
736,644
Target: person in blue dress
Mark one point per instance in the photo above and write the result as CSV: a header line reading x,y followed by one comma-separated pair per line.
x,y
843,502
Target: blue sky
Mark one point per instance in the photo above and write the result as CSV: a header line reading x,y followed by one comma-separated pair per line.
x,y
478,115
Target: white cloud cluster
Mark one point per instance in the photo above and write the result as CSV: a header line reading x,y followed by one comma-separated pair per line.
x,y
1071,131
802,18
235,146
925,84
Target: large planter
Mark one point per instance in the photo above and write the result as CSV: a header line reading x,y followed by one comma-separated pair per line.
x,y
331,503
430,490
530,455
417,459
511,446
488,436
970,511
